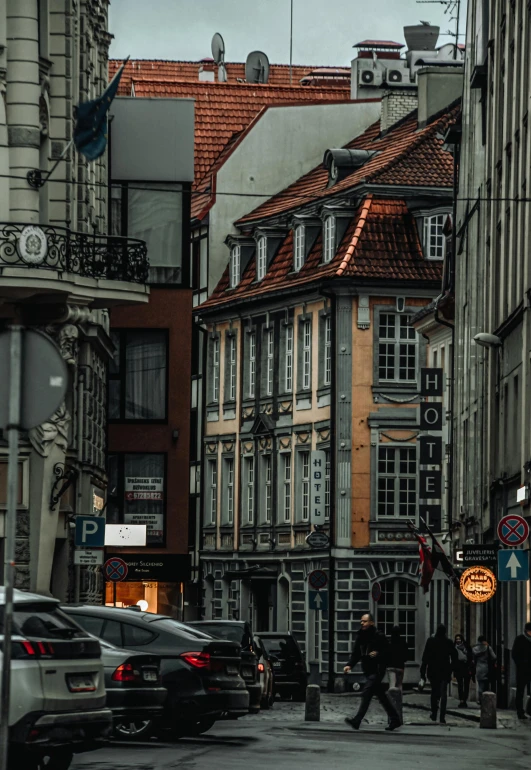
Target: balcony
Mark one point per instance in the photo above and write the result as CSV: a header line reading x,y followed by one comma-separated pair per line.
x,y
47,263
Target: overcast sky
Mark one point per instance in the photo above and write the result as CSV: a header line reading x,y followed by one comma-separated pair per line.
x,y
324,31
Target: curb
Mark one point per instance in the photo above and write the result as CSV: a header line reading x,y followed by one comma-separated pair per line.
x,y
451,712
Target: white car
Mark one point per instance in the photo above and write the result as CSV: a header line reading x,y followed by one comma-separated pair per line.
x,y
57,704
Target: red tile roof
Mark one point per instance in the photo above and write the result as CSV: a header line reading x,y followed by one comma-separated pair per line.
x,y
405,155
188,71
381,242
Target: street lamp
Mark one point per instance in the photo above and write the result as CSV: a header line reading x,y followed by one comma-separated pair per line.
x,y
487,340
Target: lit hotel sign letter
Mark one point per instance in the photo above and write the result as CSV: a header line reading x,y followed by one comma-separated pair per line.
x,y
317,487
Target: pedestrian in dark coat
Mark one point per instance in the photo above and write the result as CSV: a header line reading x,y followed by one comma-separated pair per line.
x,y
521,654
463,669
484,663
438,661
398,654
372,649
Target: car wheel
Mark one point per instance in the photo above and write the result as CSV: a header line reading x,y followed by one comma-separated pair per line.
x,y
202,726
57,760
134,730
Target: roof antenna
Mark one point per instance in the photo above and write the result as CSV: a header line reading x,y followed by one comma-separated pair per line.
x,y
451,7
218,54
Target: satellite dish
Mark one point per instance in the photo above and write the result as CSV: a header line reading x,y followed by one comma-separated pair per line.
x,y
218,49
257,67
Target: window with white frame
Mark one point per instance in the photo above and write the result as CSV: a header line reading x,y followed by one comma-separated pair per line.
x,y
270,349
252,365
229,481
235,255
306,355
268,488
329,239
327,350
397,482
398,607
261,258
304,459
286,488
249,489
397,349
288,372
232,368
212,491
298,248
327,485
434,236
215,369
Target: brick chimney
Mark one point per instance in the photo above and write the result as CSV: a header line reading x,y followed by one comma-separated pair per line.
x,y
396,104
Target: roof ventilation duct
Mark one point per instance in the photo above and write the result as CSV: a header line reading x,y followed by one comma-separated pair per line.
x,y
340,163
421,37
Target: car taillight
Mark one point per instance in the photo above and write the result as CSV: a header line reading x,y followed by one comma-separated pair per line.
x,y
197,659
261,668
27,649
125,673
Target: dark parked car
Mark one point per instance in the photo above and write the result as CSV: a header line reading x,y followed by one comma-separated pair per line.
x,y
134,692
201,674
238,631
289,666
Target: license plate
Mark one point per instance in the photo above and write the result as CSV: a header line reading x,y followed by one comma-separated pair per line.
x,y
80,683
150,676
232,669
247,672
277,664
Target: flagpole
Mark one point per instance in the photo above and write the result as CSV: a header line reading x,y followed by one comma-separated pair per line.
x,y
291,46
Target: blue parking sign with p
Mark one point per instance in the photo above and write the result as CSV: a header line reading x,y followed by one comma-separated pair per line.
x,y
90,531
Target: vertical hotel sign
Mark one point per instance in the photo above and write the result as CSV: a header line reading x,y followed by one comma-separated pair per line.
x,y
431,448
317,487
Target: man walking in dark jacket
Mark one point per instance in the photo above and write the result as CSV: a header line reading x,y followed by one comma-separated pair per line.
x,y
521,654
371,649
438,660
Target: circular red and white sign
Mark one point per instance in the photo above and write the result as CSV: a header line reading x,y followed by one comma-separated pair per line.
x,y
318,579
115,569
513,530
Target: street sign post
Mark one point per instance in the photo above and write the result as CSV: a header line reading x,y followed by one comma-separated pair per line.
x,y
513,529
88,558
513,565
318,600
90,532
318,579
318,539
32,388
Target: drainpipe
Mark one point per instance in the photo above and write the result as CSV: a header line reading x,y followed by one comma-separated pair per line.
x,y
331,557
22,106
202,420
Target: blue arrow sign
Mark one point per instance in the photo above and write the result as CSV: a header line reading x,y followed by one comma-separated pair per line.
x,y
513,565
90,531
318,600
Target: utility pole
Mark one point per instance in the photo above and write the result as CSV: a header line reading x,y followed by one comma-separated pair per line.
x,y
291,46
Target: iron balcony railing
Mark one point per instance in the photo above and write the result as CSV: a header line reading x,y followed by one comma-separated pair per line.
x,y
47,247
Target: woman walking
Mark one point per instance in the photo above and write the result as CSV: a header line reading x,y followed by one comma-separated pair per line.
x,y
485,662
463,669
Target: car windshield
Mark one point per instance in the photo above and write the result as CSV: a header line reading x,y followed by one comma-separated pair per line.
x,y
282,647
221,631
42,621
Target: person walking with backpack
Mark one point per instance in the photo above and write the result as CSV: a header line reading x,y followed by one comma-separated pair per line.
x,y
464,669
521,654
438,662
484,661
372,649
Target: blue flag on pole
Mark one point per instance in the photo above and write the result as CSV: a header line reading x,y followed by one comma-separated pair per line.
x,y
90,131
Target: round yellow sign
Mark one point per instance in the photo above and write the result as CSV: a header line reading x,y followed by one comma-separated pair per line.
x,y
478,584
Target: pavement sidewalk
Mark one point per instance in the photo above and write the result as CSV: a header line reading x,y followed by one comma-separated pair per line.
x,y
506,718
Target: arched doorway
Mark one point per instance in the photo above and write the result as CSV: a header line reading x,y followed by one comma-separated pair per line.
x,y
283,604
398,607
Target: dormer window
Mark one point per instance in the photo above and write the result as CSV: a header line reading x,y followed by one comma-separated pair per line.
x,y
433,240
235,255
261,258
329,239
298,248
